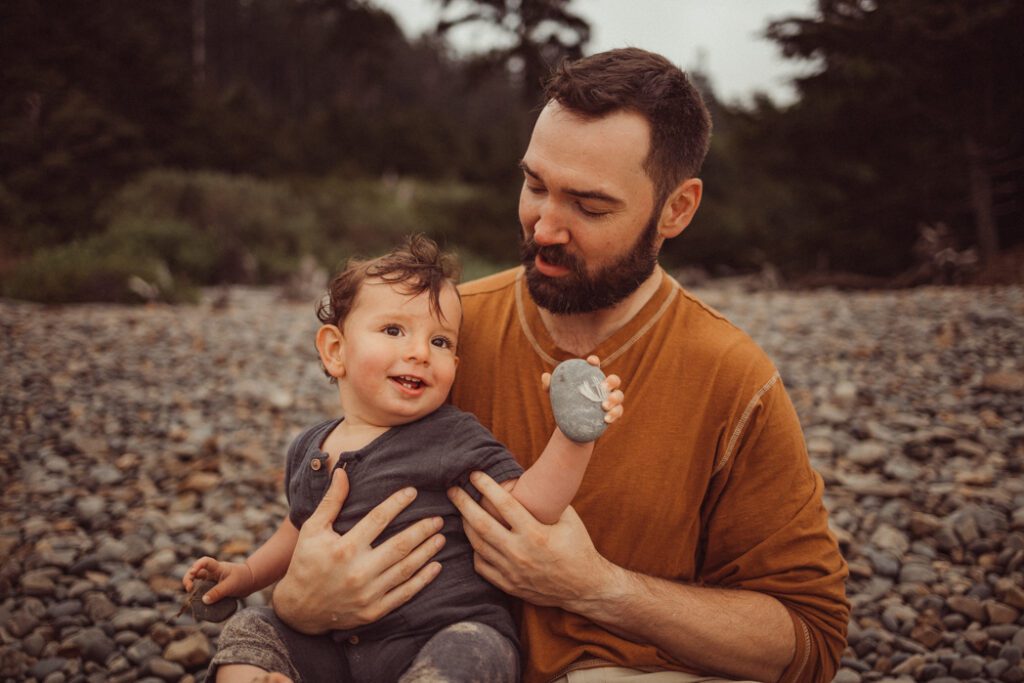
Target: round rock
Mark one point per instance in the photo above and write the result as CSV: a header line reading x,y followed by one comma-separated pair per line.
x,y
218,611
576,397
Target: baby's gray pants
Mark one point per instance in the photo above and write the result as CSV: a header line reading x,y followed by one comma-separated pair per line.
x,y
465,651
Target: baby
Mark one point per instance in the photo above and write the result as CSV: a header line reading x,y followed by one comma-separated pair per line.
x,y
389,340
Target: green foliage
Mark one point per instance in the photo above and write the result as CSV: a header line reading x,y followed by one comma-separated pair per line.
x,y
914,111
177,230
97,268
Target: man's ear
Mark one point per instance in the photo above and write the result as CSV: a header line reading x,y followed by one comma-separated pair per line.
x,y
680,207
330,343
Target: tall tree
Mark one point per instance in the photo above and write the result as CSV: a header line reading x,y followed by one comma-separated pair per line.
x,y
922,101
537,34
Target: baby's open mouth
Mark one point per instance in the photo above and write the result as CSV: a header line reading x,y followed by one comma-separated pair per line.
x,y
409,382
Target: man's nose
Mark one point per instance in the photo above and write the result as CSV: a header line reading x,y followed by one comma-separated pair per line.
x,y
551,226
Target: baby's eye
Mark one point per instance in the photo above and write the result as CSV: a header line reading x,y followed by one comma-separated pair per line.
x,y
442,342
392,330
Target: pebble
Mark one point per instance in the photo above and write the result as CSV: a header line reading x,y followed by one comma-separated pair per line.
x,y
138,439
576,397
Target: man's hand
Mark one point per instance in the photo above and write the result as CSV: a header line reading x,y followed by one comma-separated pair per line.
x,y
340,582
554,564
736,633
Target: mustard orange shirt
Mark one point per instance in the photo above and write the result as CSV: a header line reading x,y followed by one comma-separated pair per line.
x,y
704,480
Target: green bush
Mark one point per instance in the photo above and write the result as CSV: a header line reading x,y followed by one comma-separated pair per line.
x,y
253,230
177,230
95,269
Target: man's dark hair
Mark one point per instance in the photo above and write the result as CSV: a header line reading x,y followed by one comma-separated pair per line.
x,y
631,79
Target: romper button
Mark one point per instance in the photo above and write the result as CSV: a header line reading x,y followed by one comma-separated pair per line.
x,y
316,464
354,640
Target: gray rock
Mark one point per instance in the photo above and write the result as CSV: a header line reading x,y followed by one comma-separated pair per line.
x,y
576,396
868,453
134,592
917,573
45,667
39,582
92,643
136,619
142,649
191,651
846,676
164,670
967,667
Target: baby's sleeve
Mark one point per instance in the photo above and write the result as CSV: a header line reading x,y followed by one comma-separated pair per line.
x,y
471,447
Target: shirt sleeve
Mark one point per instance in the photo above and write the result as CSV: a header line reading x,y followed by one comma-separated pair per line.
x,y
766,530
471,447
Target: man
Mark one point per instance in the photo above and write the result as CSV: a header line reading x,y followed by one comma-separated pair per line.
x,y
698,544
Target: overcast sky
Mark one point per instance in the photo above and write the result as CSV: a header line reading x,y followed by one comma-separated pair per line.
x,y
721,36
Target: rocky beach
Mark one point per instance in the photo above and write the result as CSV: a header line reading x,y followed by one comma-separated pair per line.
x,y
136,439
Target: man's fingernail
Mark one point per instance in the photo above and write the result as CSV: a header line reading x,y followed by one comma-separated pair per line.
x,y
206,599
474,477
408,493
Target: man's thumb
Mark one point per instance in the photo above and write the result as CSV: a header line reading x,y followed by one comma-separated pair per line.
x,y
330,506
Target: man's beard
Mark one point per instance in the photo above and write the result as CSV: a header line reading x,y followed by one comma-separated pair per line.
x,y
578,292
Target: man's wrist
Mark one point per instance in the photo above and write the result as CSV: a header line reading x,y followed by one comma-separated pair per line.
x,y
606,586
287,604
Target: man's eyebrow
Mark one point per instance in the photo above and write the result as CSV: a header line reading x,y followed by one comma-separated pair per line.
x,y
582,194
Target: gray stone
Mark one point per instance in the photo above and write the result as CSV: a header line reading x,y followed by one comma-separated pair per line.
x,y
917,573
576,396
93,644
164,670
99,607
44,667
845,675
967,667
191,651
134,592
38,582
868,453
142,649
21,623
136,619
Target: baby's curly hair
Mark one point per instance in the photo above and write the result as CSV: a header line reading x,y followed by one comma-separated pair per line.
x,y
417,265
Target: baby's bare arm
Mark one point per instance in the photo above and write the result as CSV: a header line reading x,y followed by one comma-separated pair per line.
x,y
549,486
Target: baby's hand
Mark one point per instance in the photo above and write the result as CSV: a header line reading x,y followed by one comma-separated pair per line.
x,y
613,404
233,579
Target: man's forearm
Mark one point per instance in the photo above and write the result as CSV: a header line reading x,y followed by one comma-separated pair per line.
x,y
730,632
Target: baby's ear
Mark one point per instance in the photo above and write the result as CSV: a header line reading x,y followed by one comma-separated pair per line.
x,y
330,343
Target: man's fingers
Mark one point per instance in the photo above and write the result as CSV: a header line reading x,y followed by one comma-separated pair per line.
x,y
594,360
401,555
479,519
545,380
377,519
612,382
404,592
330,505
511,510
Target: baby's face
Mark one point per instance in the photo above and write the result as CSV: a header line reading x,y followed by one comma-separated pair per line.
x,y
399,354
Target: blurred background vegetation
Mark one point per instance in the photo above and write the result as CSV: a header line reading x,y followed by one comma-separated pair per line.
x,y
151,148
